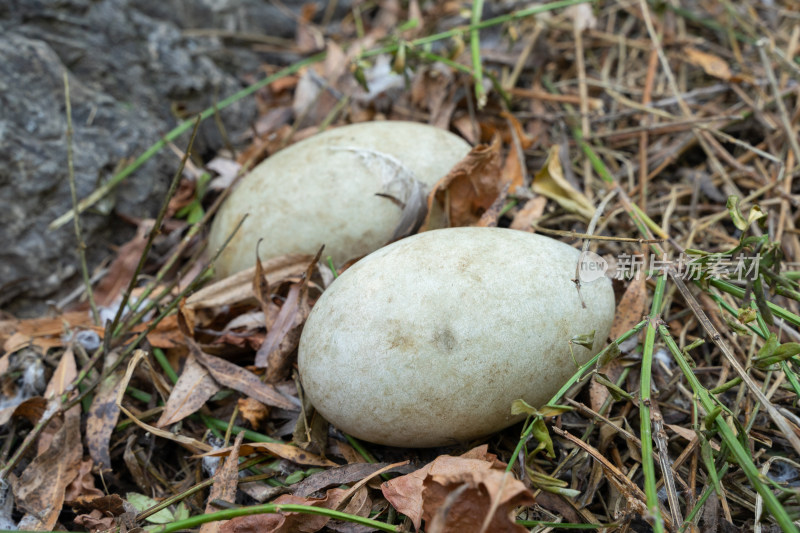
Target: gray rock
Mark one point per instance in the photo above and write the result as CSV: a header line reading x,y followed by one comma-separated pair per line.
x,y
129,67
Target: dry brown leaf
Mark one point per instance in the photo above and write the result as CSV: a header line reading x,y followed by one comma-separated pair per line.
x,y
490,216
261,285
313,100
513,174
95,521
406,491
65,373
284,84
420,494
360,503
36,327
550,182
32,409
225,482
183,196
690,435
193,444
347,452
124,265
132,463
467,128
469,189
166,334
487,504
360,488
283,336
631,308
194,387
482,453
431,90
287,522
405,494
111,505
240,379
46,333
284,451
598,394
5,360
290,316
557,504
82,487
39,490
103,416
343,475
713,65
532,210
49,432
238,288
525,140
253,411
17,341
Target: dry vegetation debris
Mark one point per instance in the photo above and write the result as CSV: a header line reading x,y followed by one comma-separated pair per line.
x,y
665,124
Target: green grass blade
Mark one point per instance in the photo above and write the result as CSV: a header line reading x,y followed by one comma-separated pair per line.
x,y
741,455
645,425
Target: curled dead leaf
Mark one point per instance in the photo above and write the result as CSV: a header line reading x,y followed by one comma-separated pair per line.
x,y
194,387
240,379
488,499
40,489
468,190
713,65
226,480
550,182
238,287
532,210
103,415
253,411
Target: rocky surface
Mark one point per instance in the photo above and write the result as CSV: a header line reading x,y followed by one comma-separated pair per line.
x,y
131,64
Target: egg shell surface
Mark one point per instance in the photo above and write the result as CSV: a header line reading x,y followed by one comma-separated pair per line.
x,y
322,190
428,341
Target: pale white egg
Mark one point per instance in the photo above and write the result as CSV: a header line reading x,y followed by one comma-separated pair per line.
x,y
325,190
429,340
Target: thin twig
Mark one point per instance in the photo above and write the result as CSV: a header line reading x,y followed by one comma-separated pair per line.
x,y
153,232
643,135
660,437
72,189
791,135
583,93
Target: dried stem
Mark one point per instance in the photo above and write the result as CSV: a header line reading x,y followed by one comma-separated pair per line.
x,y
73,192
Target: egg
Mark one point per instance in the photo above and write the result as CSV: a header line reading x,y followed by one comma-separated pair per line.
x,y
428,341
324,190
